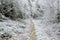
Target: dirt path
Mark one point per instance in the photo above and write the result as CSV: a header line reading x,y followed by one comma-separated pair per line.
x,y
32,31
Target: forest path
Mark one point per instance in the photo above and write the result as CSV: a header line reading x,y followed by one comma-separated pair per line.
x,y
33,35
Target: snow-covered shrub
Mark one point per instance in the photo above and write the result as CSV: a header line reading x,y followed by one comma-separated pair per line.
x,y
34,16
20,15
7,9
58,17
5,36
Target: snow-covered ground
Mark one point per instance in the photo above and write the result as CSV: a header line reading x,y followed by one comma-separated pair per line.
x,y
17,29
46,31
20,29
45,22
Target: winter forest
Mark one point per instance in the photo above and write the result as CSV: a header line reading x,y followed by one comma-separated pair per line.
x,y
29,19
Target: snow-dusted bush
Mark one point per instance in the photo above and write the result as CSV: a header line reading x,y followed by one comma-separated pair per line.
x,y
5,36
34,16
58,17
7,9
20,15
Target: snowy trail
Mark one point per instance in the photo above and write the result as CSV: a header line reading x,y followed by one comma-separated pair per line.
x,y
39,29
33,35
